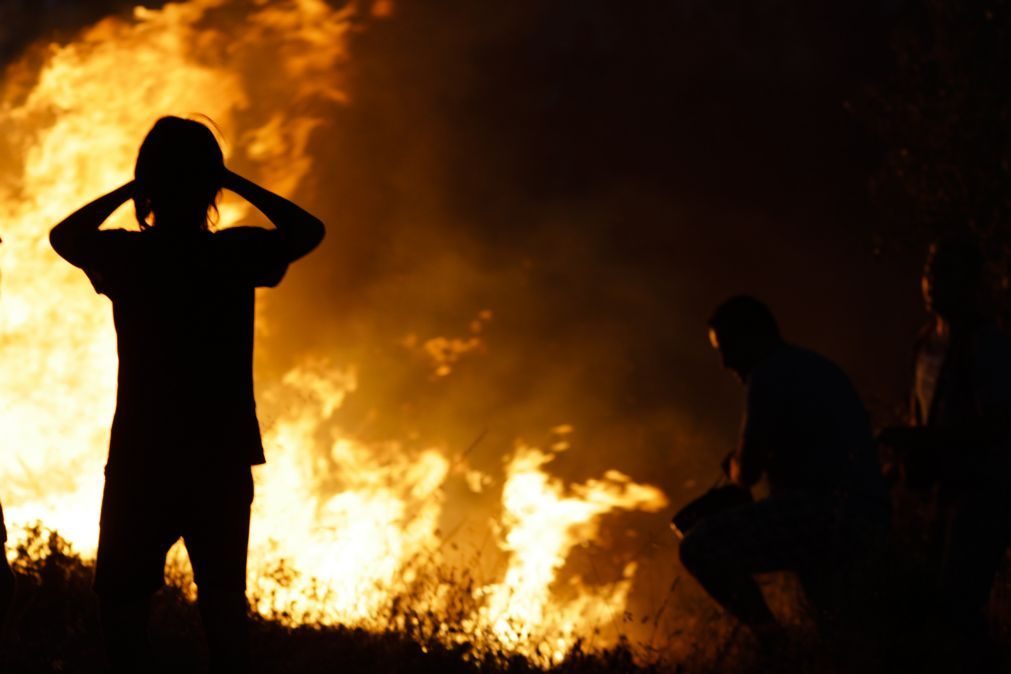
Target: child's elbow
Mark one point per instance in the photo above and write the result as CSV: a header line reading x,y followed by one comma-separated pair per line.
x,y
318,233
314,234
58,241
304,239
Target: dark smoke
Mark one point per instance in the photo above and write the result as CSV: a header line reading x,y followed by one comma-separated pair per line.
x,y
600,177
22,22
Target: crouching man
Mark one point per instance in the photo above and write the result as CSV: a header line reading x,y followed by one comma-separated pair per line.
x,y
806,431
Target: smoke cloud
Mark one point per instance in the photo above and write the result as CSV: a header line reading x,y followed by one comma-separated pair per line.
x,y
598,177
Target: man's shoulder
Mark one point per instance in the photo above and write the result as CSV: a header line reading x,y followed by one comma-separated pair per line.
x,y
792,363
810,358
790,357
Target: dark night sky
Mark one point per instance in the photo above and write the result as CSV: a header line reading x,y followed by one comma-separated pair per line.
x,y
600,174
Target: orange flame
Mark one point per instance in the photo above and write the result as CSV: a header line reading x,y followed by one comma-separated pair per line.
x,y
334,553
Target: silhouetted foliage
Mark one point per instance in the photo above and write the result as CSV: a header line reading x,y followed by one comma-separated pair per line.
x,y
54,628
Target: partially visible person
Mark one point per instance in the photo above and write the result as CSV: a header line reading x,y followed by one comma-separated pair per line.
x,y
806,432
6,574
956,451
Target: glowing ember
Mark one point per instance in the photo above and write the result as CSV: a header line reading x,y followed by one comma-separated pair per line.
x,y
338,527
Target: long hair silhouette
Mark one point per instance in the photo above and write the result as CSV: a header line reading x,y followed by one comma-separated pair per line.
x,y
178,176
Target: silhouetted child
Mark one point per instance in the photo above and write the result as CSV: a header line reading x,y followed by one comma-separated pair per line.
x,y
185,431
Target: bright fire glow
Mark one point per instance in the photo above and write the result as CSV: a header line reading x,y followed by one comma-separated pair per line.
x,y
338,526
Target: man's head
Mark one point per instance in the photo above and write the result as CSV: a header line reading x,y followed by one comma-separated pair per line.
x,y
178,174
952,278
744,331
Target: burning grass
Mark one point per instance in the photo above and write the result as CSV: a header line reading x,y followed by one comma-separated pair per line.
x,y
54,628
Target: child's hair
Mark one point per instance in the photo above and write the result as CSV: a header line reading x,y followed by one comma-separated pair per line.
x,y
178,174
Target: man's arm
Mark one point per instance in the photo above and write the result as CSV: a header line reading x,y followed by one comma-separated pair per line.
x,y
758,430
70,238
300,231
743,469
735,473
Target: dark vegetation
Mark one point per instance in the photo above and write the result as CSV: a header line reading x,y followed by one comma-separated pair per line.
x,y
894,627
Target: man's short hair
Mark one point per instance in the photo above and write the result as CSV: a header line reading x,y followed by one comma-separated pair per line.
x,y
744,316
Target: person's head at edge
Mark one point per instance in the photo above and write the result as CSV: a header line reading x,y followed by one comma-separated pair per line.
x,y
179,171
952,278
745,332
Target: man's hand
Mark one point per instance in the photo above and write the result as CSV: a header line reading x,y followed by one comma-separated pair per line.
x,y
725,463
893,450
732,469
912,455
736,476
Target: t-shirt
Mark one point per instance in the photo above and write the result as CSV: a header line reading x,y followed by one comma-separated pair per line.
x,y
183,307
805,427
929,362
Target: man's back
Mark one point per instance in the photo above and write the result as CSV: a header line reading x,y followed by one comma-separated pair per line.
x,y
806,426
